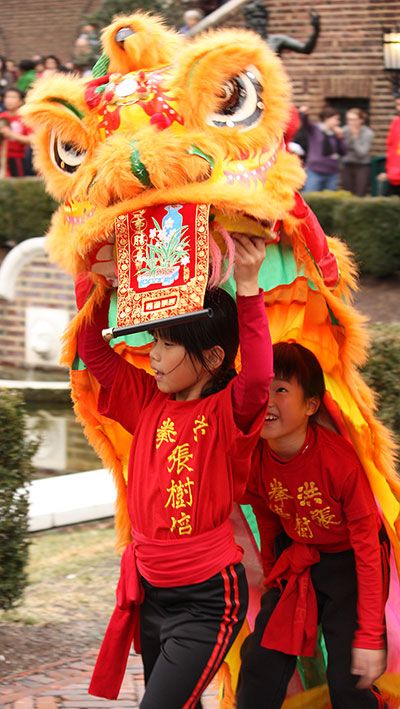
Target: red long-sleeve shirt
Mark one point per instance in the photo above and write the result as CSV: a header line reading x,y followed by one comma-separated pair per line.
x,y
321,497
189,459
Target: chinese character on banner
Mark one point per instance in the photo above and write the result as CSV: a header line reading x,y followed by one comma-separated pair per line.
x,y
162,258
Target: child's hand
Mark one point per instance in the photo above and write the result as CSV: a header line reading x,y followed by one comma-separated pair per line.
x,y
249,255
369,664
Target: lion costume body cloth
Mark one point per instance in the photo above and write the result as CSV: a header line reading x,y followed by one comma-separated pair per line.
x,y
163,121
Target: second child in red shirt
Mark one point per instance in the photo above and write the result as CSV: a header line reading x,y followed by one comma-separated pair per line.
x,y
311,498
195,426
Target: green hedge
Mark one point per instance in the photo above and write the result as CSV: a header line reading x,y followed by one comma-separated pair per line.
x,y
25,209
369,225
382,373
15,473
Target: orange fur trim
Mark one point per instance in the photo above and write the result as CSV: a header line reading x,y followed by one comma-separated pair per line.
x,y
150,46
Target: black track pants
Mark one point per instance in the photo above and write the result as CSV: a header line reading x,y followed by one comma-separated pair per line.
x,y
265,674
186,632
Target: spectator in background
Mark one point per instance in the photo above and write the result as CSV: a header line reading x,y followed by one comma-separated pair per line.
x,y
190,19
7,79
27,75
83,56
14,132
356,169
325,146
51,64
392,174
89,33
39,64
10,67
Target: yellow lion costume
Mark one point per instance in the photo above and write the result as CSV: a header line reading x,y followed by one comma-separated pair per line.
x,y
165,120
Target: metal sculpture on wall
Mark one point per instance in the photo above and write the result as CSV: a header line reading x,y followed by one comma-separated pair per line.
x,y
256,19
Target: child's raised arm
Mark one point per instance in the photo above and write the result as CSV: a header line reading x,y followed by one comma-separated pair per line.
x,y
125,389
251,387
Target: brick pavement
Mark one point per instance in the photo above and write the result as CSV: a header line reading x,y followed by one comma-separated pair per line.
x,y
63,685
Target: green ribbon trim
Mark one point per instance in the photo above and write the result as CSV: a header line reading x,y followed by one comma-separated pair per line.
x,y
101,66
193,150
68,105
138,168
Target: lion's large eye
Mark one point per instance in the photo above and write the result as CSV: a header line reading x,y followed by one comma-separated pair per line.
x,y
241,104
65,155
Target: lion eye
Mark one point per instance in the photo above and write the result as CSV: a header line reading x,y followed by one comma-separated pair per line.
x,y
65,155
240,103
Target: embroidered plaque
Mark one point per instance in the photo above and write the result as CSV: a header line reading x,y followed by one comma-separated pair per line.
x,y
162,257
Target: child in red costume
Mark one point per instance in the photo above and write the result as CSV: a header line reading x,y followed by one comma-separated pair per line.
x,y
195,427
307,486
15,132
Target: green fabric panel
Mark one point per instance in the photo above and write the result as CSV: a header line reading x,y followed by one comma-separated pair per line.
x,y
252,522
78,364
279,268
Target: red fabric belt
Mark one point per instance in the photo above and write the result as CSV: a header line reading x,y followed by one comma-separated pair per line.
x,y
164,563
297,606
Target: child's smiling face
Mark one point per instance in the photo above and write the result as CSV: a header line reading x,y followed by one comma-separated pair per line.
x,y
288,414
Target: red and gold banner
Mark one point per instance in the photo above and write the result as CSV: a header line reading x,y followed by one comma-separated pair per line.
x,y
162,257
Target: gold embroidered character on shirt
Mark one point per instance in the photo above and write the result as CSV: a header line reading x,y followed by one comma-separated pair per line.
x,y
166,433
182,524
200,426
303,528
308,492
180,494
324,518
179,459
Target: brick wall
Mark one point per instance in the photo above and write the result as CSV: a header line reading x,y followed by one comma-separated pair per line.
x,y
39,284
39,27
347,62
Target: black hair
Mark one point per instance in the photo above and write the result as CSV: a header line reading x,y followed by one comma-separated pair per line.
x,y
26,65
52,56
328,112
221,329
294,360
15,90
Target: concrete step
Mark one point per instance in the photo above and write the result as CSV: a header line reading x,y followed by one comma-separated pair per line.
x,y
70,499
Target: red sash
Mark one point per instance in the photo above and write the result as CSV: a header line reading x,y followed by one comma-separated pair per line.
x,y
163,563
297,607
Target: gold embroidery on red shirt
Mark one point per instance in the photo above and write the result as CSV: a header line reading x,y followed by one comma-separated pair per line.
x,y
278,509
303,528
324,518
180,494
166,433
179,459
200,425
278,493
182,524
308,492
